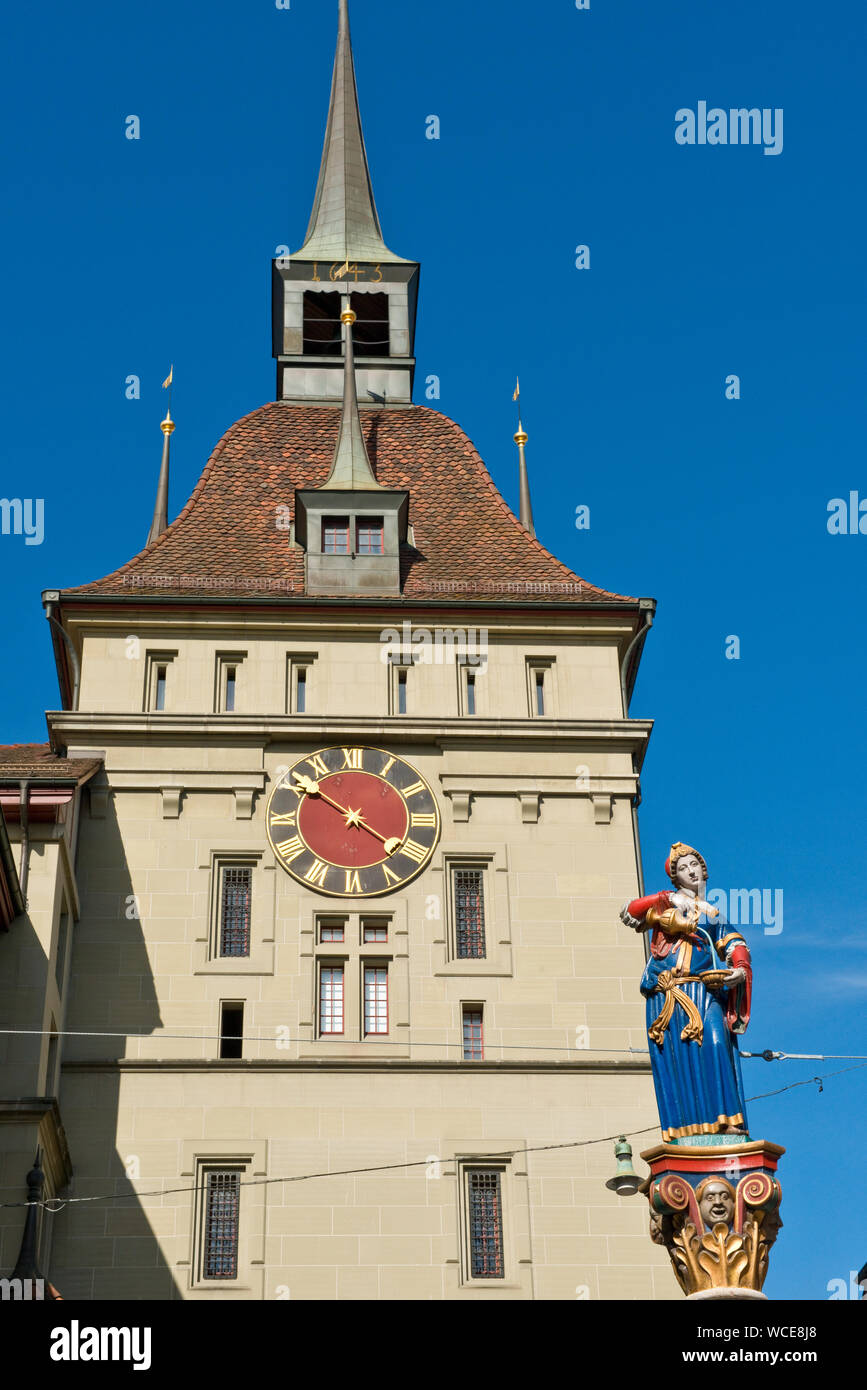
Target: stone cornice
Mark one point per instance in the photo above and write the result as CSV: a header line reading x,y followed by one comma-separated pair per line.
x,y
80,729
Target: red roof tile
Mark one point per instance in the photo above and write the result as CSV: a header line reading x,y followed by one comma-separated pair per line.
x,y
468,543
37,761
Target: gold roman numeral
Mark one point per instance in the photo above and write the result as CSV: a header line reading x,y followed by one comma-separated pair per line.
x,y
290,849
318,765
416,852
414,789
353,882
353,757
389,765
290,818
317,872
427,822
389,876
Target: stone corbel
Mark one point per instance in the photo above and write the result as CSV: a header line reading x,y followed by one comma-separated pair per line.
x,y
171,802
245,798
460,804
603,807
530,802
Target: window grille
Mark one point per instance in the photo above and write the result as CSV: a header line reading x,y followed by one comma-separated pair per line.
x,y
486,1224
235,911
222,1200
469,890
474,1049
375,999
331,999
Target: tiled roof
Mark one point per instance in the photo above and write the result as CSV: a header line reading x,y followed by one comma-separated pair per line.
x,y
228,538
37,761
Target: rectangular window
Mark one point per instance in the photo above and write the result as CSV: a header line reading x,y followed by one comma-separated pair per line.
x,y
298,679
236,892
541,689
231,1030
370,536
332,931
469,910
401,692
156,679
375,932
222,1202
474,1045
335,535
485,1223
226,681
375,999
471,692
330,1000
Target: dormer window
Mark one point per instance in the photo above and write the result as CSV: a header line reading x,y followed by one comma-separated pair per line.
x,y
335,535
370,536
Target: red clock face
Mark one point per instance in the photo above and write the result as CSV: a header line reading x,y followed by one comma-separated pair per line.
x,y
353,822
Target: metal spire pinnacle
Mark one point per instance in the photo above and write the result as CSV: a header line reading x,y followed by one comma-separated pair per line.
x,y
526,514
161,510
344,225
351,470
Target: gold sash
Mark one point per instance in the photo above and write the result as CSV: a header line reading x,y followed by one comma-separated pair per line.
x,y
667,984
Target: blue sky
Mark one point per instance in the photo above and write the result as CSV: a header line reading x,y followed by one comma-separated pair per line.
x,y
557,129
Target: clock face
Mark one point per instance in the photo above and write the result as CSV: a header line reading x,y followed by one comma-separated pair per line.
x,y
353,822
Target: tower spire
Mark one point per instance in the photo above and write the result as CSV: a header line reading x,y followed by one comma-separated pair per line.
x,y
161,510
521,438
344,224
351,470
526,512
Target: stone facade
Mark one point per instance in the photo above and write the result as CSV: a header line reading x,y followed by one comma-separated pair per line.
x,y
542,803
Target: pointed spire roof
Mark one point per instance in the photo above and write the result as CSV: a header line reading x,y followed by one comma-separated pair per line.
x,y
160,522
351,470
344,225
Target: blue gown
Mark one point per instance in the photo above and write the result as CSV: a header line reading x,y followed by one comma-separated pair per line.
x,y
699,1087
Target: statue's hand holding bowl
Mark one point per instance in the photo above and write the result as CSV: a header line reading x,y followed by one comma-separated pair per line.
x,y
735,977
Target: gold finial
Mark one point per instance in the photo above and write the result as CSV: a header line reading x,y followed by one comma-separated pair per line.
x,y
168,424
348,316
521,437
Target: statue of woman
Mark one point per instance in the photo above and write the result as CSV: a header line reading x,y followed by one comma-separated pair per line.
x,y
698,984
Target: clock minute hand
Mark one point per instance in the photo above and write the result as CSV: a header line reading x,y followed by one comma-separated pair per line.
x,y
312,788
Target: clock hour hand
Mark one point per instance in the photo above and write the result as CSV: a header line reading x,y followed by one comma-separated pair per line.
x,y
392,843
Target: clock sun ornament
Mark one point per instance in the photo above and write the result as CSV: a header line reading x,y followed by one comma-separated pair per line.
x,y
353,822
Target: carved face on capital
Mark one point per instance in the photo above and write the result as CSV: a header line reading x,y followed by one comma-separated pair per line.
x,y
716,1202
689,873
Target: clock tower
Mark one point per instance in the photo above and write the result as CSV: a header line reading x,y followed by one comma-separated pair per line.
x,y
346,976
